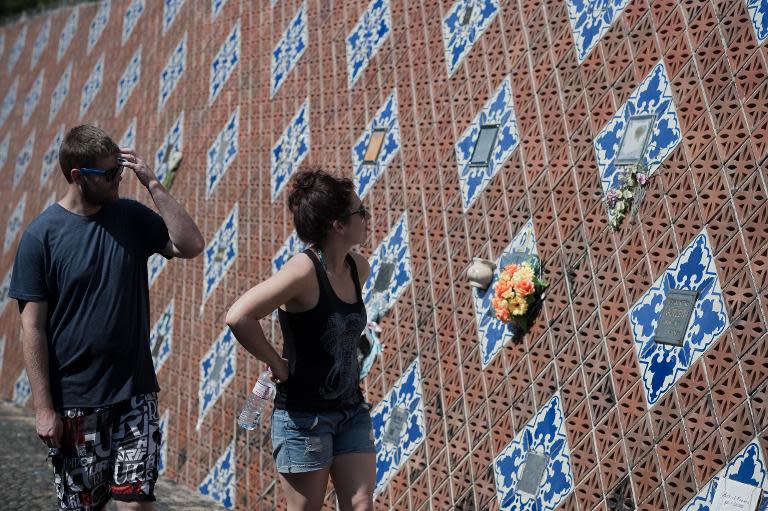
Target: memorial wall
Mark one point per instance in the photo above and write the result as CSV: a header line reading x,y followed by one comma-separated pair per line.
x,y
617,148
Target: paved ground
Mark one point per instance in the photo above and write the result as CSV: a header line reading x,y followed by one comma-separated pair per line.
x,y
26,480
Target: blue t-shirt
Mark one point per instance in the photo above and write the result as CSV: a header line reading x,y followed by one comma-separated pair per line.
x,y
92,272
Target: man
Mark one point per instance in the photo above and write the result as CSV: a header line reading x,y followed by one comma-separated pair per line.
x,y
80,277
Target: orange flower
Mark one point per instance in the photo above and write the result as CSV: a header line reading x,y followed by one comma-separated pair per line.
x,y
509,271
524,287
502,287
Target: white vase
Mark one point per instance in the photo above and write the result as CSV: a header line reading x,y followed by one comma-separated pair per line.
x,y
480,272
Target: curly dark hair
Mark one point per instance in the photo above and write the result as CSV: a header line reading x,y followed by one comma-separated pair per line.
x,y
316,199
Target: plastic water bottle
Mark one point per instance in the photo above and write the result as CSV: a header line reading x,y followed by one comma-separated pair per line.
x,y
263,392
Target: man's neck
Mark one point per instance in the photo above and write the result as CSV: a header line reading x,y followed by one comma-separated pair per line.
x,y
74,202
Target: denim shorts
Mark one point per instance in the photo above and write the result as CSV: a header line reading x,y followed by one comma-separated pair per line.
x,y
307,441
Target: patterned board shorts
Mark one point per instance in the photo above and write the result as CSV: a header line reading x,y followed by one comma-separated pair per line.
x,y
108,453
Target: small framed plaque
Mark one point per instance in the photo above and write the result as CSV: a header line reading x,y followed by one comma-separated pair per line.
x,y
384,276
536,464
635,140
375,143
467,15
396,424
675,316
486,142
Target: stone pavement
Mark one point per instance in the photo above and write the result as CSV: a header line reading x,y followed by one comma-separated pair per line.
x,y
26,479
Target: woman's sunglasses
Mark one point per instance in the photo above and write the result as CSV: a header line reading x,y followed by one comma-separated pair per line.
x,y
109,174
359,211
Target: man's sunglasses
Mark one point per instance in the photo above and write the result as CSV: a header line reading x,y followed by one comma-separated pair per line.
x,y
359,211
109,174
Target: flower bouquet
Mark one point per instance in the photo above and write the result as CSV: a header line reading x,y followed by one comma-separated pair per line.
x,y
620,198
518,294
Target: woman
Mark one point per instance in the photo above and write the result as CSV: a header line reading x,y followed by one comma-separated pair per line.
x,y
321,425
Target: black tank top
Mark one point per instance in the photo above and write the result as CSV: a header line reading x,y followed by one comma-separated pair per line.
x,y
321,346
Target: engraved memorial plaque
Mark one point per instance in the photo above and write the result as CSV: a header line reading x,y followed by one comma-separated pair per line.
x,y
375,144
535,466
384,276
675,316
396,424
635,140
732,495
486,141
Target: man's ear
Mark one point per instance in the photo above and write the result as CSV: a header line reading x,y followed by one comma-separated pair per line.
x,y
76,175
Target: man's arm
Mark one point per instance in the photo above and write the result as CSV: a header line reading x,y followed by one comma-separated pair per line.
x,y
186,240
35,346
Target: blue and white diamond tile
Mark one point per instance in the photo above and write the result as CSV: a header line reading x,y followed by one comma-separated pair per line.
x,y
394,249
92,85
171,9
161,337
128,81
365,40
291,148
399,426
463,26
33,97
545,436
224,63
60,92
171,73
98,24
67,33
22,390
590,20
748,467
51,156
217,370
292,246
366,174
493,333
17,48
24,158
661,365
173,142
220,484
499,111
14,223
289,49
131,17
216,7
4,288
41,41
653,96
155,265
222,153
220,254
162,461
758,13
129,137
9,101
4,146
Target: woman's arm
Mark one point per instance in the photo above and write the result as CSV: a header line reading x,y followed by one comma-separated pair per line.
x,y
289,284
